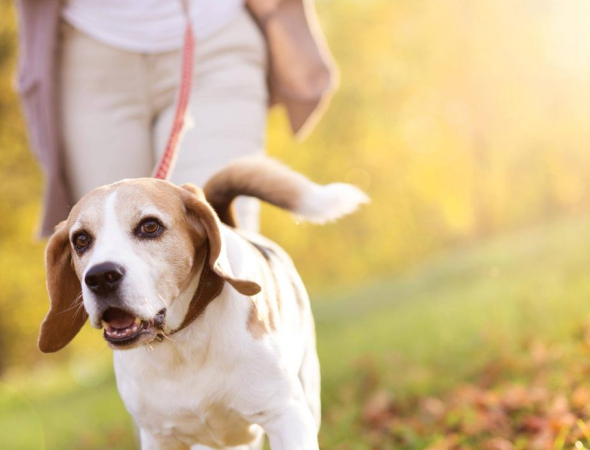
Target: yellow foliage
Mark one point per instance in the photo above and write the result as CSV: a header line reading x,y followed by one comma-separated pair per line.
x,y
460,119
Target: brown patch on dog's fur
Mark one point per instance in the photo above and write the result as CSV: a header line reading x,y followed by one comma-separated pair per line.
x,y
271,260
262,178
262,317
260,323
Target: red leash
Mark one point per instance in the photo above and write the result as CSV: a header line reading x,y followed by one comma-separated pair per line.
x,y
168,159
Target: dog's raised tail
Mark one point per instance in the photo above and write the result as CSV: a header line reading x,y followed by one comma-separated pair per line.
x,y
267,179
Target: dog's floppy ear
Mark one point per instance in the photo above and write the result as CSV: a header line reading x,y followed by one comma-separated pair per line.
x,y
66,314
201,213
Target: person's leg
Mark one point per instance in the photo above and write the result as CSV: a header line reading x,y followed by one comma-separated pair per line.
x,y
228,107
105,122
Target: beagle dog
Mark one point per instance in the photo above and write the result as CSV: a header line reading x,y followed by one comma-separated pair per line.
x,y
211,327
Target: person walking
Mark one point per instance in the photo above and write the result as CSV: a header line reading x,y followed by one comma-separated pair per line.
x,y
98,83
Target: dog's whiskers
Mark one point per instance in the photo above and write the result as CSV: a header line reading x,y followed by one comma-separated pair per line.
x,y
164,301
80,308
75,304
145,300
168,337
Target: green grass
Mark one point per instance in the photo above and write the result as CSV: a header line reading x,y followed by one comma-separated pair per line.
x,y
422,334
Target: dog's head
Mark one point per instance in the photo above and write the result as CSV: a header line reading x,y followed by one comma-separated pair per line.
x,y
126,251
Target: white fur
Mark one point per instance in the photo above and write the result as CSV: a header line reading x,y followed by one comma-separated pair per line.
x,y
320,204
214,385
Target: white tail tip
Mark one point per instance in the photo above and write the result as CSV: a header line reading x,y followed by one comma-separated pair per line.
x,y
330,202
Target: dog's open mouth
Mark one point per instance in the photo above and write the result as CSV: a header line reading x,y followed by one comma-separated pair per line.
x,y
123,329
120,327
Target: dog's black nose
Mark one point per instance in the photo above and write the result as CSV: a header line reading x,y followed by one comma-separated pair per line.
x,y
104,278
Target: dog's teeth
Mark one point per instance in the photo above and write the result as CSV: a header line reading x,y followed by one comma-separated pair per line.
x,y
124,332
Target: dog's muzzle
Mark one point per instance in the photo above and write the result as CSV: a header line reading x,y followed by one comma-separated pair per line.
x,y
124,330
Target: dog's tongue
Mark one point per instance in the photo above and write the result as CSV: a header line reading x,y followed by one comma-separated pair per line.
x,y
118,318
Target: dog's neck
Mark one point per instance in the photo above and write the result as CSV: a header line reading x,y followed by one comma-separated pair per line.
x,y
204,286
180,305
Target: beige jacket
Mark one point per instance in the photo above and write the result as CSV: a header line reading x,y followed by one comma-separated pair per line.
x,y
302,76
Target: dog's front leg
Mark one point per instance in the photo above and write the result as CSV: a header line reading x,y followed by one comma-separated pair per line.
x,y
292,428
154,442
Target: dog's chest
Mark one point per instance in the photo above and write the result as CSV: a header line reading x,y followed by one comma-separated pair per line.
x,y
212,425
193,405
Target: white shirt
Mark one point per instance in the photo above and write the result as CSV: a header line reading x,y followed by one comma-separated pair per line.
x,y
147,26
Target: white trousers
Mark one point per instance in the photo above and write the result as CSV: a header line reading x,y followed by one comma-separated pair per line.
x,y
117,109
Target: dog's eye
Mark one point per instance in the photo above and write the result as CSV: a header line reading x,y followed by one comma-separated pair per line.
x,y
149,228
81,242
